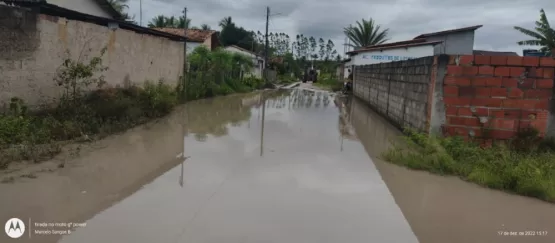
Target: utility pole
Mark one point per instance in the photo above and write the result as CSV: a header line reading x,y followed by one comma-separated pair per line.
x,y
184,49
266,44
141,12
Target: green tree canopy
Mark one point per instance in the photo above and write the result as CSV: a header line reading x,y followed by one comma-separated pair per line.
x,y
542,35
121,6
234,35
365,33
205,27
225,22
162,21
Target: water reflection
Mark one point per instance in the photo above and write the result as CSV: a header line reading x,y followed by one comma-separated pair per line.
x,y
446,209
211,116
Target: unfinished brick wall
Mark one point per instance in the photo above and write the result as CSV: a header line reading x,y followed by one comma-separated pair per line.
x,y
397,90
492,97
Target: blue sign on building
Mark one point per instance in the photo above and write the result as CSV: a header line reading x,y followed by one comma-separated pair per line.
x,y
533,53
386,57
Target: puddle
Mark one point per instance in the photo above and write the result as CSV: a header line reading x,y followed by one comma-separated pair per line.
x,y
278,170
295,166
446,209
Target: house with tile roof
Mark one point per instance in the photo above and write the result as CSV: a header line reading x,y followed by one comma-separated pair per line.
x,y
196,37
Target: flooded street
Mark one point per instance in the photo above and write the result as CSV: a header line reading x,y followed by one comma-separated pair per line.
x,y
289,167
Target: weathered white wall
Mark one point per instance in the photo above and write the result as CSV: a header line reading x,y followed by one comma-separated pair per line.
x,y
391,55
348,66
37,46
257,61
83,6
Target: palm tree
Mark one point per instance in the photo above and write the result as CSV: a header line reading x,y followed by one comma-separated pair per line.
x,y
365,33
543,35
171,21
205,27
159,21
181,22
225,22
119,5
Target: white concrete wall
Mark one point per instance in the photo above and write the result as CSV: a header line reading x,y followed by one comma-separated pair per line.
x,y
348,65
40,45
391,55
84,6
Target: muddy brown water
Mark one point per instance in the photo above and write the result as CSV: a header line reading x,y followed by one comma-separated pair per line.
x,y
301,168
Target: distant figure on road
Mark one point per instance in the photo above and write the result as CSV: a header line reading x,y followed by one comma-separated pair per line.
x,y
348,84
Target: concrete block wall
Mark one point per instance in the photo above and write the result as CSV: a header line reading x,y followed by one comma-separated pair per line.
x,y
485,97
493,97
33,47
397,90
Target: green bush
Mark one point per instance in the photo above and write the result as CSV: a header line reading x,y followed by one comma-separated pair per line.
x,y
287,79
158,99
81,113
327,81
253,82
504,166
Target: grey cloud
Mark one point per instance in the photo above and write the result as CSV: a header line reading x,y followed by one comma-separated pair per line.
x,y
405,18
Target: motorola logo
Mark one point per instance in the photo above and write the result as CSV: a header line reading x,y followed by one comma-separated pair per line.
x,y
15,228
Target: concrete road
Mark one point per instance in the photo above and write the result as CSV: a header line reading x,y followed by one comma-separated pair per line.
x,y
306,185
291,166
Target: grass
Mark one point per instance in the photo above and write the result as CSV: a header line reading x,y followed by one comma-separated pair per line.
x,y
39,136
325,81
286,79
82,115
525,170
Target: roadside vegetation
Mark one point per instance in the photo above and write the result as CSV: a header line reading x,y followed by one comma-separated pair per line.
x,y
542,35
88,109
328,82
525,165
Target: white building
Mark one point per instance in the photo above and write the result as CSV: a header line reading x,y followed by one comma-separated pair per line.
x,y
257,60
452,42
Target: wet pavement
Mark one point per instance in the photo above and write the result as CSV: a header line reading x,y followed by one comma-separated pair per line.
x,y
302,168
304,185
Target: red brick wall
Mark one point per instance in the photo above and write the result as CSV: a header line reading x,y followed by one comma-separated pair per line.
x,y
495,96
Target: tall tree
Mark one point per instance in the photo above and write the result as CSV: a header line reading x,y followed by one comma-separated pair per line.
x,y
205,27
162,21
365,33
543,35
313,46
121,6
226,22
330,50
233,35
182,22
322,50
159,21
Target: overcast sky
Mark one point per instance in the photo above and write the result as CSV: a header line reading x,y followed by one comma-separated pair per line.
x,y
326,18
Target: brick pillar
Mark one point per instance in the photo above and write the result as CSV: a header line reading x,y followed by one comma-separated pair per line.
x,y
550,132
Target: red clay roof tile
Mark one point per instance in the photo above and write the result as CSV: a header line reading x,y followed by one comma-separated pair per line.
x,y
193,35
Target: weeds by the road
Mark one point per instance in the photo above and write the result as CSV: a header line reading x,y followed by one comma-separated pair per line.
x,y
326,81
525,170
287,79
82,114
